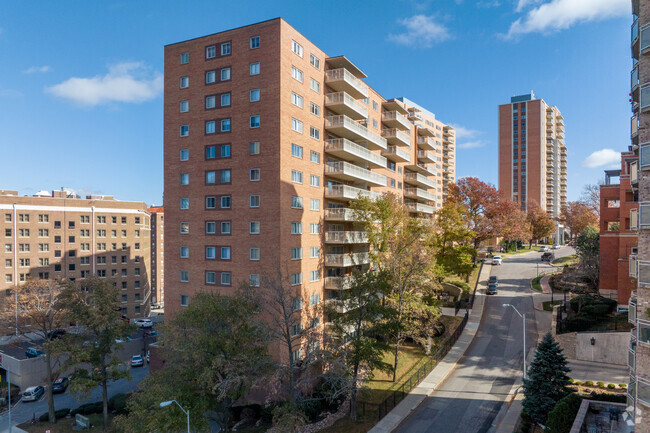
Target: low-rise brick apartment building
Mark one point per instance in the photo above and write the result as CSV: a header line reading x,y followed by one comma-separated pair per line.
x,y
619,223
61,236
267,139
157,254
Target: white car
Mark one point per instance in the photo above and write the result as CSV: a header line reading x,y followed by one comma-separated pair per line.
x,y
143,323
543,249
497,260
556,247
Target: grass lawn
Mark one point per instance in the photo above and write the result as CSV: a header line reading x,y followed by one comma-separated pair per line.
x,y
547,305
566,260
535,283
524,249
65,425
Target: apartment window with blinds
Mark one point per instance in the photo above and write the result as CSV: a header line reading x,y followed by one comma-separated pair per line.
x,y
296,228
314,61
296,278
296,202
296,99
296,48
296,253
296,74
296,125
296,151
296,176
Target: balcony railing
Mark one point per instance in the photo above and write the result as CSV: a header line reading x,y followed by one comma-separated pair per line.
x,y
634,77
346,149
426,143
395,120
344,260
345,192
347,128
346,237
397,154
338,283
346,171
634,172
343,80
426,156
419,208
634,126
340,214
634,219
396,137
343,103
418,193
418,179
645,38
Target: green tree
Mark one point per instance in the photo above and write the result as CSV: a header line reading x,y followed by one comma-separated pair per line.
x,y
216,351
94,306
547,380
358,317
588,248
560,419
454,240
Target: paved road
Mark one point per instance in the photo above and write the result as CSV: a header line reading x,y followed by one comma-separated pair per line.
x,y
470,398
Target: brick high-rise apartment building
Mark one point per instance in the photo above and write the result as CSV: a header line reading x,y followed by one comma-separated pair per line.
x,y
157,254
62,236
532,155
639,309
267,139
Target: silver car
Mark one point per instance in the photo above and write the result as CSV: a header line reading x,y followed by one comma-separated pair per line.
x,y
33,393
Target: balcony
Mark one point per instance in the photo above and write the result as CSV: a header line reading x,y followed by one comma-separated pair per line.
x,y
394,119
338,283
346,237
426,143
342,103
345,171
419,180
340,214
397,154
419,208
645,39
634,78
634,219
644,99
346,149
345,127
426,156
343,80
634,172
421,168
345,260
396,137
426,132
418,194
346,192
634,127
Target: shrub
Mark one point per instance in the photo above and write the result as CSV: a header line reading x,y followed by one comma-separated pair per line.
x,y
622,385
611,386
578,324
600,384
88,409
612,398
117,403
571,380
577,382
589,383
58,414
560,419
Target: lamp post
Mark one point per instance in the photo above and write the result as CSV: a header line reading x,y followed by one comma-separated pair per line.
x,y
523,316
186,412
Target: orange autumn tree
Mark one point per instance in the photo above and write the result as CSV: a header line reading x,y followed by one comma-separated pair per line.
x,y
577,216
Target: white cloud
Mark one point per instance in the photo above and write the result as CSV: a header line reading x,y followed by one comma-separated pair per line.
x,y
562,14
421,31
471,144
521,4
462,132
124,82
488,4
602,157
35,69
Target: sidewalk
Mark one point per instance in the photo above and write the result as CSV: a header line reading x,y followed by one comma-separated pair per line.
x,y
395,417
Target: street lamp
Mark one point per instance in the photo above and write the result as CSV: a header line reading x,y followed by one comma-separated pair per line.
x,y
186,412
524,319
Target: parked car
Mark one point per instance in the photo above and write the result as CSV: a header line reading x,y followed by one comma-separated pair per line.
x,y
492,289
543,249
122,339
143,323
60,385
496,260
33,393
571,243
548,257
493,279
33,353
555,247
137,361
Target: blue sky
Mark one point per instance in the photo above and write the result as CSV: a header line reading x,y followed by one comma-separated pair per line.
x,y
81,81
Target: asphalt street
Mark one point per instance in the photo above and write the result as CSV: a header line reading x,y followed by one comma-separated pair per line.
x,y
472,395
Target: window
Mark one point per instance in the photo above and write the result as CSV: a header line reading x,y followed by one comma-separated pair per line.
x,y
224,150
296,48
210,277
43,247
314,252
314,299
314,204
314,85
225,99
314,109
314,133
225,202
296,99
211,52
314,228
296,278
296,125
225,176
210,127
296,304
314,180
23,218
210,253
296,176
185,179
296,228
225,253
254,95
185,252
210,227
254,42
185,82
210,202
255,121
210,77
210,102
254,280
254,174
185,58
296,202
296,151
254,254
225,74
185,203
225,125
375,106
85,219
296,73
185,300
225,48
185,228
314,61
314,157
225,227
225,278
255,68
185,154
185,276
314,276
254,201
296,253
8,217
254,227
375,124
185,130
295,330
